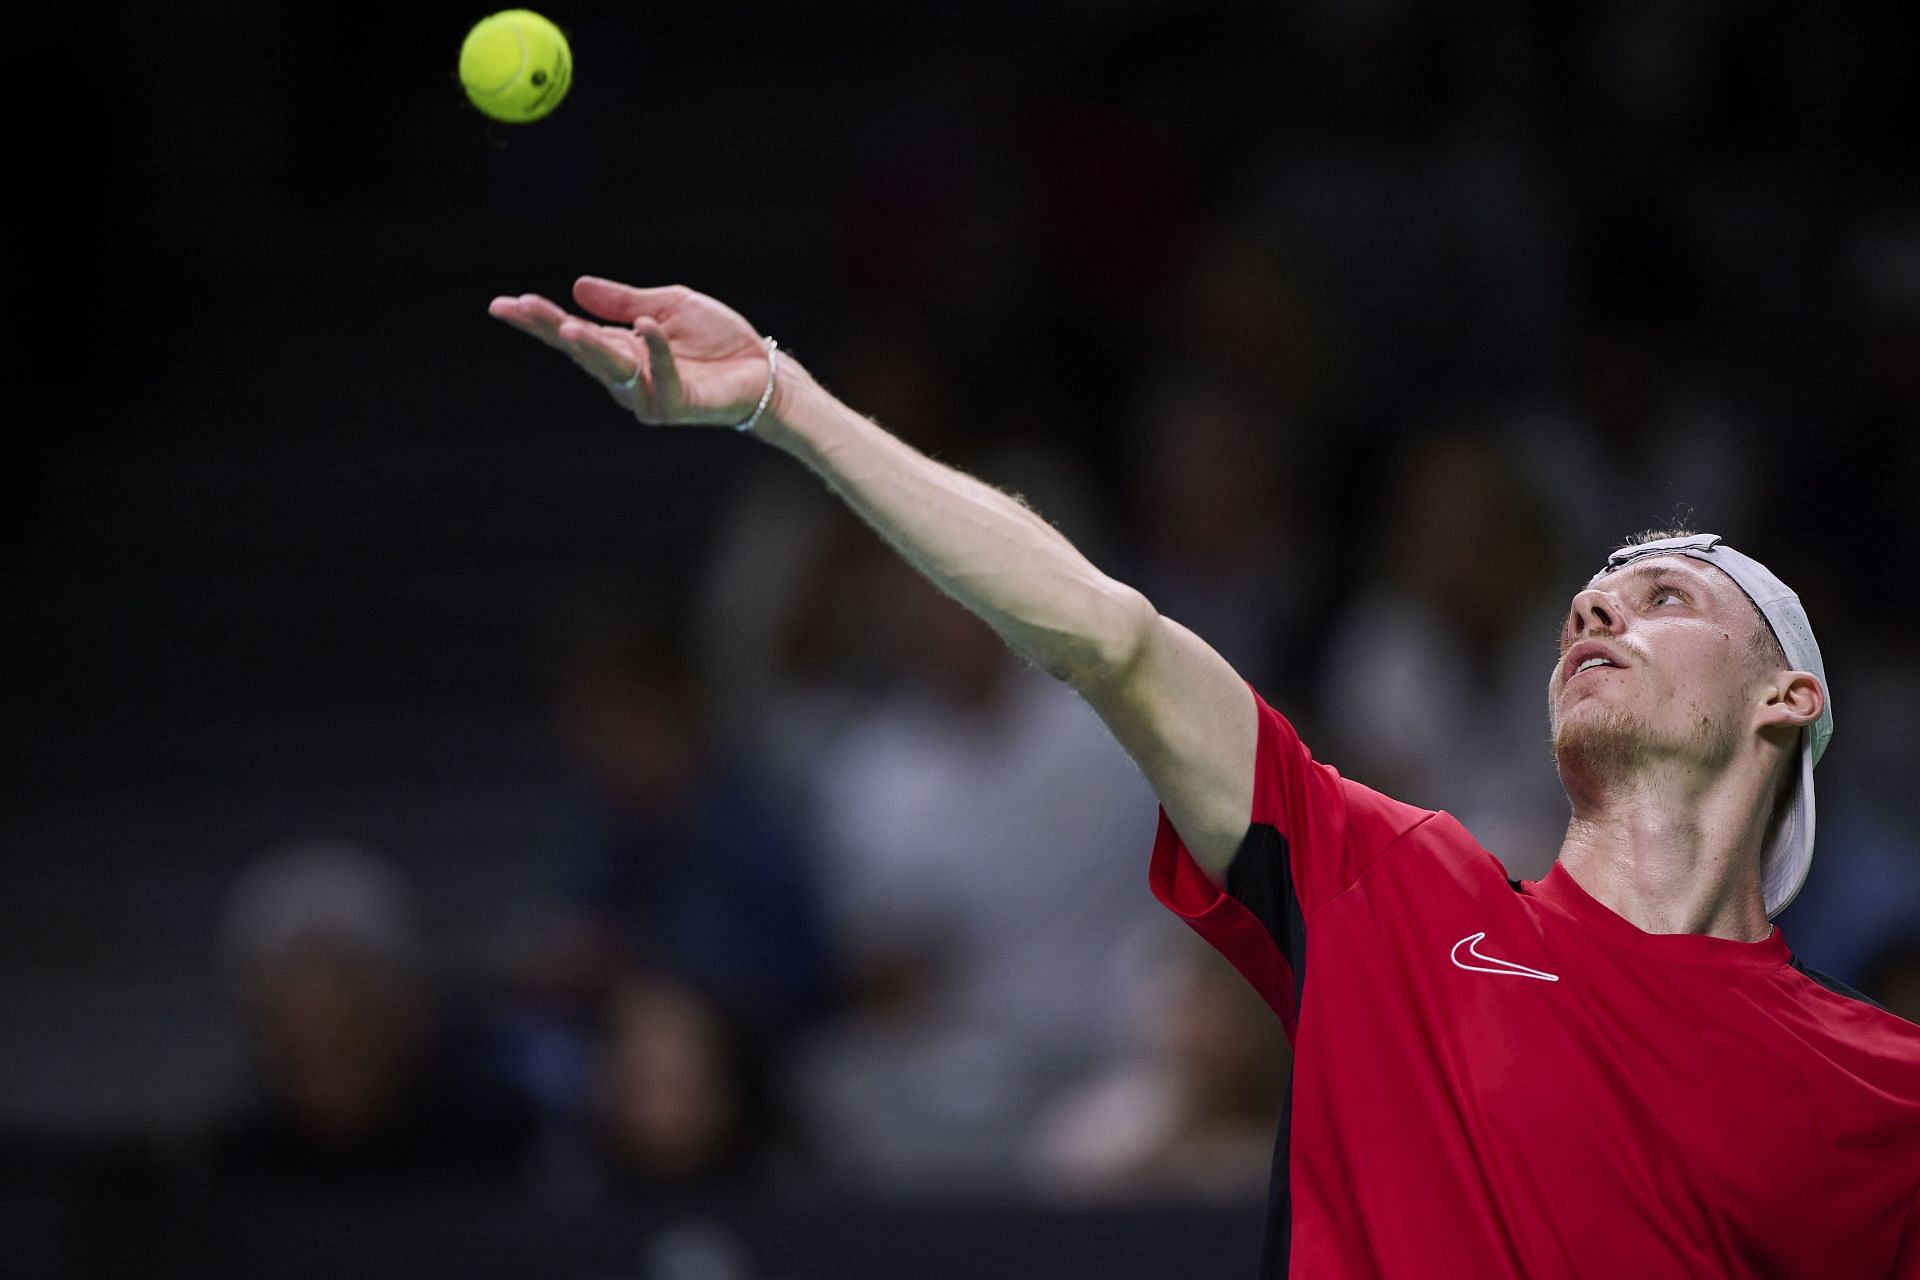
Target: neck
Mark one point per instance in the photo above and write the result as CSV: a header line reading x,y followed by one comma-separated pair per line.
x,y
1672,853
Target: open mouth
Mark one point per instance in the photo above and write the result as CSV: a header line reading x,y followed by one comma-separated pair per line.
x,y
1588,655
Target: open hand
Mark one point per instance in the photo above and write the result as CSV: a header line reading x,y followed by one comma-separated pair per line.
x,y
698,361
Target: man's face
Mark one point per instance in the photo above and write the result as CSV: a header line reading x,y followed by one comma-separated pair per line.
x,y
1677,640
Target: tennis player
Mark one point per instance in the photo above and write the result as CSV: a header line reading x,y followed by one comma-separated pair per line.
x,y
1618,1070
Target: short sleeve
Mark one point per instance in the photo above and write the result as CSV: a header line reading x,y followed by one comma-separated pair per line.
x,y
1310,835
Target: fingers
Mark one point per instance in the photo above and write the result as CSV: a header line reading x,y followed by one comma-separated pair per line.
x,y
611,300
530,313
662,375
606,353
611,355
635,365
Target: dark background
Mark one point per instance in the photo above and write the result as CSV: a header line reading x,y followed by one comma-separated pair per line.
x,y
287,516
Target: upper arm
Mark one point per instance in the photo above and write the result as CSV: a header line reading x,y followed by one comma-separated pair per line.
x,y
1190,723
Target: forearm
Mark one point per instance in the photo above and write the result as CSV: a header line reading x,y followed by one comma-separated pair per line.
x,y
981,546
1173,703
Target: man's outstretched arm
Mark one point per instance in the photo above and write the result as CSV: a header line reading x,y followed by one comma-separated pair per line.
x,y
1174,703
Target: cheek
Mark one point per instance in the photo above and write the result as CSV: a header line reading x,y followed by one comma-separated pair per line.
x,y
1707,691
1699,666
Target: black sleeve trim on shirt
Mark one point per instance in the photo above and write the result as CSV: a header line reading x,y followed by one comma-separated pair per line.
x,y
1838,987
1260,879
1276,1239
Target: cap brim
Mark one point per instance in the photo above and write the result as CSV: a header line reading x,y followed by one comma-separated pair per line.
x,y
1790,854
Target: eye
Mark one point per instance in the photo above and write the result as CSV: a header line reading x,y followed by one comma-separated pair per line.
x,y
1666,593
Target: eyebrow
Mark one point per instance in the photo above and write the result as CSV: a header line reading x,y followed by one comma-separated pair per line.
x,y
1673,573
1653,575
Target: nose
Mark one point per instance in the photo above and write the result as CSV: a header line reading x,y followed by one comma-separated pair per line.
x,y
1595,610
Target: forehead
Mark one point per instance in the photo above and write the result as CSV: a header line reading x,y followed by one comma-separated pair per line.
x,y
1705,582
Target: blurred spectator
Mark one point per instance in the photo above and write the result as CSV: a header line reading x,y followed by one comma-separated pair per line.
x,y
1232,543
987,840
1434,689
679,1108
786,641
675,1101
1190,1116
687,860
361,1078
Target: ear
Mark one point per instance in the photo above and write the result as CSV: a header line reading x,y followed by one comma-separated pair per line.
x,y
1793,700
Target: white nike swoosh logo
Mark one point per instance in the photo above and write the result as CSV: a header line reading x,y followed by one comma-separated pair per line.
x,y
1488,964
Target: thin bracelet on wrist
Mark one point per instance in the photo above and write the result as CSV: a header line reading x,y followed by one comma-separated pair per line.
x,y
766,397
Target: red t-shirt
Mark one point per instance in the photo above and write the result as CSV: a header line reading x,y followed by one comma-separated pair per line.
x,y
1503,1078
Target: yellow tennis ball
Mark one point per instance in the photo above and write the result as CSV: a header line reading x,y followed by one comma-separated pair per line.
x,y
516,66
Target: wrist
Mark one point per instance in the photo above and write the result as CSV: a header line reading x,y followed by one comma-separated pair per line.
x,y
796,405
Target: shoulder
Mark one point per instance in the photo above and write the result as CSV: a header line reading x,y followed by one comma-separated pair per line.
x,y
1834,985
1841,990
1857,1026
1872,1047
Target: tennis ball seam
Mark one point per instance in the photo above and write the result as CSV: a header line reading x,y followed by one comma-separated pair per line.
x,y
537,79
520,68
557,82
519,39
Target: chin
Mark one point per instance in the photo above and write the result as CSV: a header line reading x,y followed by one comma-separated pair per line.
x,y
1600,742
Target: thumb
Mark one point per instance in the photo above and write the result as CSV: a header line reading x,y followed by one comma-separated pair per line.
x,y
663,373
611,300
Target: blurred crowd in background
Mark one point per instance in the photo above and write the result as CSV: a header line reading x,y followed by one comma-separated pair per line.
x,y
1354,335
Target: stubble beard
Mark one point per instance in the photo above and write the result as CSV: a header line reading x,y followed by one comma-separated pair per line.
x,y
1602,748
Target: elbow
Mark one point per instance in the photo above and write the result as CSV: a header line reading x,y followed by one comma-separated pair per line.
x,y
1116,646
